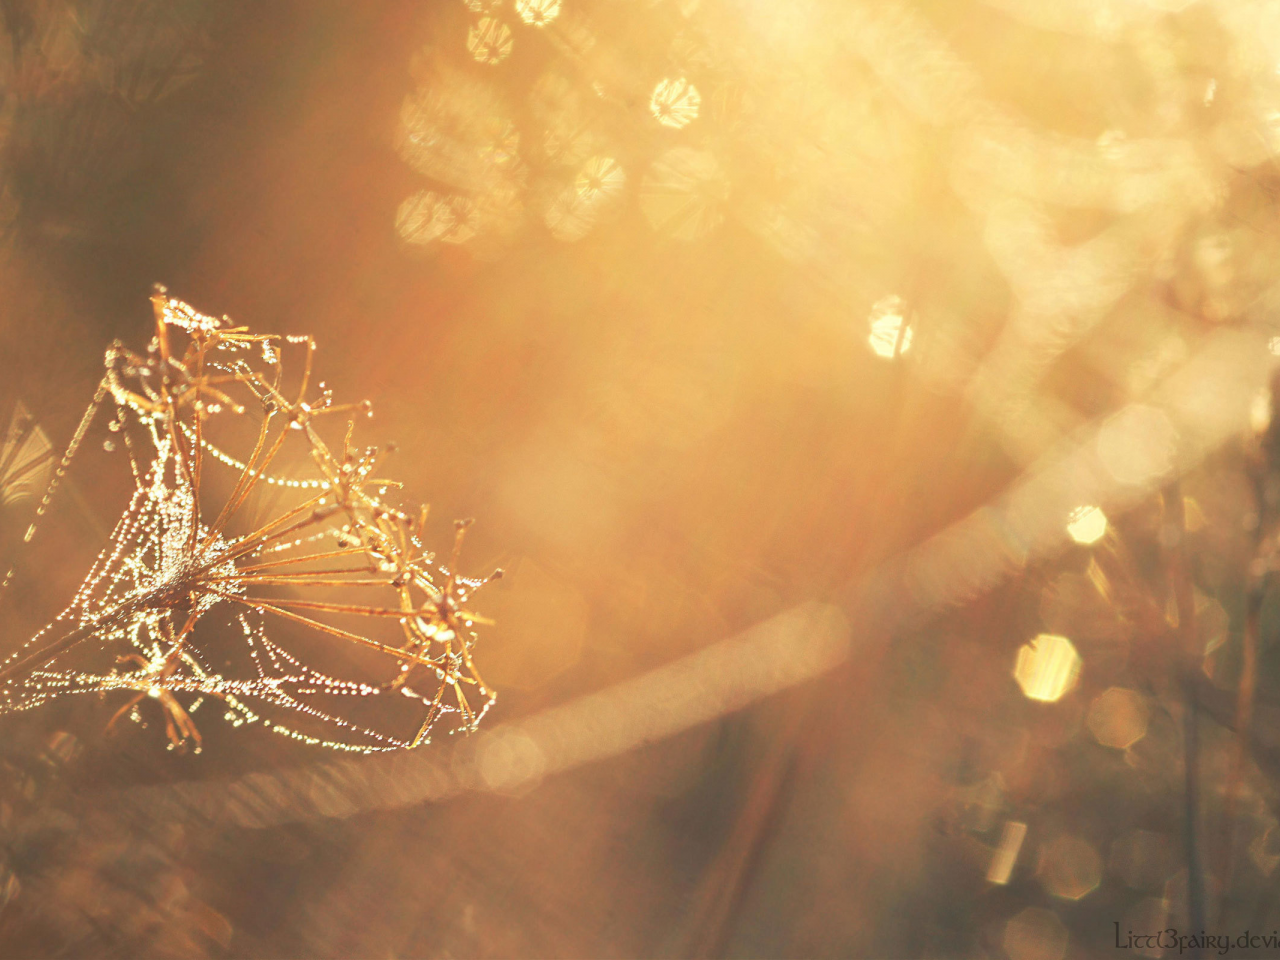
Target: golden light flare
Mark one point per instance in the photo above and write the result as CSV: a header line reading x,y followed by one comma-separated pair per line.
x,y
890,335
538,13
593,195
489,40
499,146
1006,855
856,298
569,217
427,217
675,102
26,458
1070,868
1194,515
683,194
454,129
600,178
1086,525
1260,411
1047,667
1138,444
565,118
1118,717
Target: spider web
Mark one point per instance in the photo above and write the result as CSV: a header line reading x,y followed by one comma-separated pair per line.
x,y
140,625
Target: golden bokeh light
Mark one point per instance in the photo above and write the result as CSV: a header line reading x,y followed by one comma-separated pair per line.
x,y
1086,525
1070,868
538,13
498,147
890,334
1047,667
499,214
510,762
675,102
427,217
600,178
594,195
1194,513
683,194
1118,717
704,309
489,40
26,458
1260,411
569,217
1137,445
1006,855
1035,934
454,128
566,120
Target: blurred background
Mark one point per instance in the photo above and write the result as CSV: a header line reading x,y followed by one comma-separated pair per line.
x,y
869,404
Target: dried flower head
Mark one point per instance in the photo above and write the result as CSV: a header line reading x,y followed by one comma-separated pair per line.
x,y
179,588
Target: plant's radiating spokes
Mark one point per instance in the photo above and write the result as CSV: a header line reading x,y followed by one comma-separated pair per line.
x,y
161,596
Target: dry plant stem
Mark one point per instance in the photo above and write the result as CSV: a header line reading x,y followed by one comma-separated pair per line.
x,y
127,609
345,552
59,472
1256,578
726,881
197,446
1130,594
87,630
333,631
329,607
76,636
1179,574
1240,752
163,562
27,428
25,431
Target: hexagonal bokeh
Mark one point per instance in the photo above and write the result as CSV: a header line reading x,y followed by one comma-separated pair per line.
x,y
1047,667
1086,525
1070,868
1118,717
1035,934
